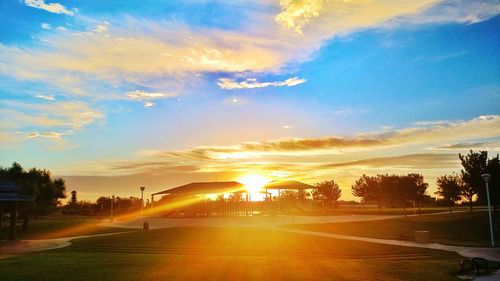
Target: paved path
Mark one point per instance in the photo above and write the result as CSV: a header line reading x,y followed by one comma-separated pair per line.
x,y
469,252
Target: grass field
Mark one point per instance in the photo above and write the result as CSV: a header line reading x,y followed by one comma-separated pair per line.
x,y
463,228
229,254
58,226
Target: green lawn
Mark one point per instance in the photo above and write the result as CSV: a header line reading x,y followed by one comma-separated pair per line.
x,y
229,254
57,226
464,228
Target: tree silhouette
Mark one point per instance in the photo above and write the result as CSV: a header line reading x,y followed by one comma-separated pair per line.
x,y
368,188
474,165
327,192
73,197
449,188
37,183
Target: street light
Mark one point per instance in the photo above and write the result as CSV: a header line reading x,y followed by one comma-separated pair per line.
x,y
142,197
112,203
486,178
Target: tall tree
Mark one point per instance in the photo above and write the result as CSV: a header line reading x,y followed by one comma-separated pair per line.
x,y
449,188
327,192
418,188
493,168
39,184
474,165
73,197
368,188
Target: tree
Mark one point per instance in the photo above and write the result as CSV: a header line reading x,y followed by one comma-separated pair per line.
x,y
390,191
39,184
493,168
418,188
449,188
73,197
327,192
474,165
368,188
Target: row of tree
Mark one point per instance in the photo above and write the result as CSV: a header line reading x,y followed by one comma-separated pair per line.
x,y
38,184
391,190
102,206
469,184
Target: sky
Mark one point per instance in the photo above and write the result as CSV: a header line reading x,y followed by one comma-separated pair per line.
x,y
114,95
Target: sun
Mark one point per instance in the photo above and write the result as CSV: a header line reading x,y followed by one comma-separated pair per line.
x,y
254,183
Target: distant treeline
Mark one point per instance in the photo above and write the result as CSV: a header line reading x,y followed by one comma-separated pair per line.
x,y
394,190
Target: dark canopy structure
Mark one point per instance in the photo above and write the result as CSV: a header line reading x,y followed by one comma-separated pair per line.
x,y
11,196
287,184
198,188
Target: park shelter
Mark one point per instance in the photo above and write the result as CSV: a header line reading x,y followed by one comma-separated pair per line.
x,y
209,198
280,185
203,188
221,205
287,185
12,199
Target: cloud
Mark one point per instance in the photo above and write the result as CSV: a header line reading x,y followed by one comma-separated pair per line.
x,y
142,52
46,26
46,97
142,95
235,101
453,11
412,161
251,83
49,135
55,8
50,121
296,14
101,28
306,16
493,145
482,127
147,97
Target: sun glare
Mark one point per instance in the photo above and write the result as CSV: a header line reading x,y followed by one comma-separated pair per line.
x,y
254,183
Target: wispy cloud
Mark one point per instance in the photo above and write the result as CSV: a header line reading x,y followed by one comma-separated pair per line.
x,y
45,26
481,127
492,145
147,97
312,159
49,134
412,161
251,83
50,121
142,52
46,97
55,8
142,95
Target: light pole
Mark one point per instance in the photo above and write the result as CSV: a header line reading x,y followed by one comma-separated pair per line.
x,y
486,178
112,203
142,197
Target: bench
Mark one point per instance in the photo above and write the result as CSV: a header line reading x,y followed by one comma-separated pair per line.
x,y
474,264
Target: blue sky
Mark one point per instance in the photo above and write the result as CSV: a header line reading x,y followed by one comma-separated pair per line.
x,y
114,95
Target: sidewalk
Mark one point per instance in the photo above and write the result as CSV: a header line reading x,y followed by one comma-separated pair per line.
x,y
469,252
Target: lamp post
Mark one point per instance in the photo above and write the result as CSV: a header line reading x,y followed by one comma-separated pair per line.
x,y
142,188
112,203
486,178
